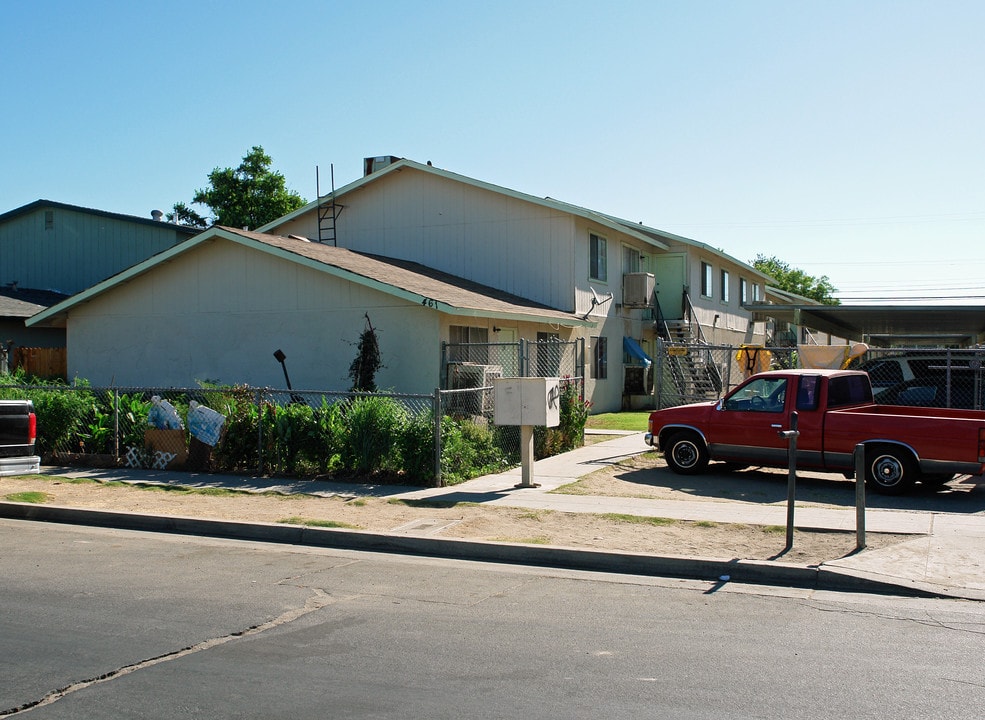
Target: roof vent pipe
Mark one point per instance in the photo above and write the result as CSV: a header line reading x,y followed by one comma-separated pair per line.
x,y
157,215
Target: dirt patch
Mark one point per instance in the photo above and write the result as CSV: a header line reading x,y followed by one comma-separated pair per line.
x,y
481,522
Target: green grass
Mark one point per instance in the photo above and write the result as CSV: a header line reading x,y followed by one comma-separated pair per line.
x,y
28,497
537,515
636,421
638,519
308,522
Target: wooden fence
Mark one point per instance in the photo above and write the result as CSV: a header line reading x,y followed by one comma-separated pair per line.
x,y
41,362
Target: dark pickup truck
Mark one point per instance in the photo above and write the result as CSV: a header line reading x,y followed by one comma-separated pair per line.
x,y
18,432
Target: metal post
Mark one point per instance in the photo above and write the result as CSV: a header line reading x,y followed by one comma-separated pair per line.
x,y
859,496
791,436
527,457
259,402
439,482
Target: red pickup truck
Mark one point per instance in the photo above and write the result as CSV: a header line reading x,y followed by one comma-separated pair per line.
x,y
835,413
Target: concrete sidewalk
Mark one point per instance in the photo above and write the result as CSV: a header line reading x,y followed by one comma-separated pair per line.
x,y
945,556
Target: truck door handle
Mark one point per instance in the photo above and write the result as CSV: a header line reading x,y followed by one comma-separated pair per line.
x,y
776,425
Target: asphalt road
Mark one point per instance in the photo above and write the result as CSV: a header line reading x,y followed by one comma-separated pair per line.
x,y
104,624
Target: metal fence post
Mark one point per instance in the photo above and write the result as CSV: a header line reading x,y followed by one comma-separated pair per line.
x,y
259,403
439,482
859,496
116,423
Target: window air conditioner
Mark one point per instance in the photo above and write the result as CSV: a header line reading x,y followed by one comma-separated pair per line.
x,y
637,289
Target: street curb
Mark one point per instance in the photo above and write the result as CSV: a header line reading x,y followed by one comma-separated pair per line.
x,y
755,572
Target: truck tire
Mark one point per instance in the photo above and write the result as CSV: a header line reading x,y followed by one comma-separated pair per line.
x,y
685,453
889,470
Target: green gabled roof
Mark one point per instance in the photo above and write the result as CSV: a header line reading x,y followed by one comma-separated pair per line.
x,y
410,281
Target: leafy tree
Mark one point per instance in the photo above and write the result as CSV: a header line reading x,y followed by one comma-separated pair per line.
x,y
797,281
184,215
248,196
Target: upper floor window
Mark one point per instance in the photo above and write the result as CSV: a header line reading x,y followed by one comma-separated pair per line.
x,y
597,269
630,259
706,280
743,291
725,282
756,297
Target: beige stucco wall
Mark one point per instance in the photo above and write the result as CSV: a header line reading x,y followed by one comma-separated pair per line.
x,y
219,312
490,238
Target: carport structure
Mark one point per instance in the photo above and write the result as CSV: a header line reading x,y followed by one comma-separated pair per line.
x,y
884,325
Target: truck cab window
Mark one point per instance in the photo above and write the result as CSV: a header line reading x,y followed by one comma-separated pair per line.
x,y
807,392
760,395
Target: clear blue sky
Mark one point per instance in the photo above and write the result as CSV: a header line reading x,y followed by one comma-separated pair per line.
x,y
844,137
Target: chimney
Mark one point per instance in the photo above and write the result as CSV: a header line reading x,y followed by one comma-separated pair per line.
x,y
372,164
157,215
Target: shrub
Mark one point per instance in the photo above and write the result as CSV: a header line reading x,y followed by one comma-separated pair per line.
x,y
570,432
374,425
469,450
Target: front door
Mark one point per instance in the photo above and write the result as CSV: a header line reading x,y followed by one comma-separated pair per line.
x,y
670,274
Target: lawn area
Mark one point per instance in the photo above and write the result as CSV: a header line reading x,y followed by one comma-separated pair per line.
x,y
619,421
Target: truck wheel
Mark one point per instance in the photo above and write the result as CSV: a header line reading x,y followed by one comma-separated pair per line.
x,y
686,453
890,471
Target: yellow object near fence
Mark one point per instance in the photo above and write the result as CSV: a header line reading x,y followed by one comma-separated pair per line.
x,y
753,359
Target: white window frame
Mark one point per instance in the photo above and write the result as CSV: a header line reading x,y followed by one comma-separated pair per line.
x,y
598,248
707,280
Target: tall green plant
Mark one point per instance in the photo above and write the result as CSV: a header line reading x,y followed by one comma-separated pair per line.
x,y
570,431
374,426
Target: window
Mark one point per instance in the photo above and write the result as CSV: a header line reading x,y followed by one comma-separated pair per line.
x,y
725,281
468,344
756,297
848,390
808,392
630,259
706,280
759,395
49,219
600,358
597,269
743,291
545,355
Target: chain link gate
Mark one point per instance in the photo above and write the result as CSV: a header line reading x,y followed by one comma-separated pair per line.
x,y
915,376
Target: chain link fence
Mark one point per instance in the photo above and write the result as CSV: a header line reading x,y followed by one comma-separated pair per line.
x,y
389,436
932,377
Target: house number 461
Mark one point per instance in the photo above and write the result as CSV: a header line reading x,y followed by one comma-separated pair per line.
x,y
428,302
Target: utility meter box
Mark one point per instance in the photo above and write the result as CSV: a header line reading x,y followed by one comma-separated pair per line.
x,y
527,401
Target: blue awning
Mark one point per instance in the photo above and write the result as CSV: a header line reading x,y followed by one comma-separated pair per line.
x,y
633,348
